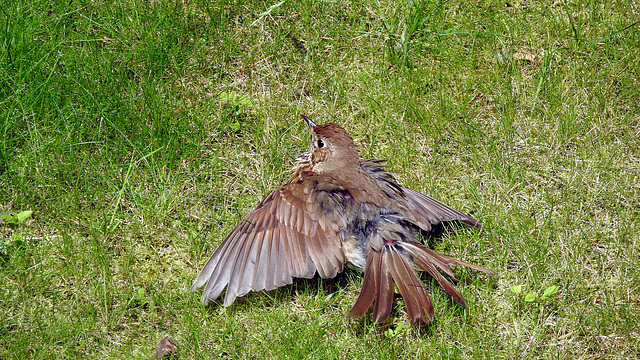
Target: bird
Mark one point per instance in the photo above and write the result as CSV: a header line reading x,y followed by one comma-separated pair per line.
x,y
338,211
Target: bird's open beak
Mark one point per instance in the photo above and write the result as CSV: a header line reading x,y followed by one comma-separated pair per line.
x,y
309,122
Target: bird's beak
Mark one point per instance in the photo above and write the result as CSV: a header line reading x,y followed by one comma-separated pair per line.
x,y
309,122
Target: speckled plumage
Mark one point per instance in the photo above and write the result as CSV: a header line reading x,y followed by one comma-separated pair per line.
x,y
337,208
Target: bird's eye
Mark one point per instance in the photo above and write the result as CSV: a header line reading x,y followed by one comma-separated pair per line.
x,y
320,143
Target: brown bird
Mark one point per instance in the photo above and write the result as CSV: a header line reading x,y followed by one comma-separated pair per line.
x,y
338,208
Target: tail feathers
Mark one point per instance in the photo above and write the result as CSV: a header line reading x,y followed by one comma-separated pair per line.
x,y
384,268
447,260
369,286
395,264
384,290
419,306
425,262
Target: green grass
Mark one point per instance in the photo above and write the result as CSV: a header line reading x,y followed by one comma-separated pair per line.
x,y
117,133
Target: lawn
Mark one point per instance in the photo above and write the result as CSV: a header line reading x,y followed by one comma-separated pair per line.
x,y
140,133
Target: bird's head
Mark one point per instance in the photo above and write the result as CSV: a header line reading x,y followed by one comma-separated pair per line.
x,y
332,149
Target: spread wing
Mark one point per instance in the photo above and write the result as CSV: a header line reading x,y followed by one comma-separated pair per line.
x,y
285,237
428,211
425,210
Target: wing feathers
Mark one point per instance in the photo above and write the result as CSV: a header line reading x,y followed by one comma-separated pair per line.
x,y
429,211
315,250
275,271
238,261
277,242
262,261
294,232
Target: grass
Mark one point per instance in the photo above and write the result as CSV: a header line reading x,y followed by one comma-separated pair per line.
x,y
139,134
